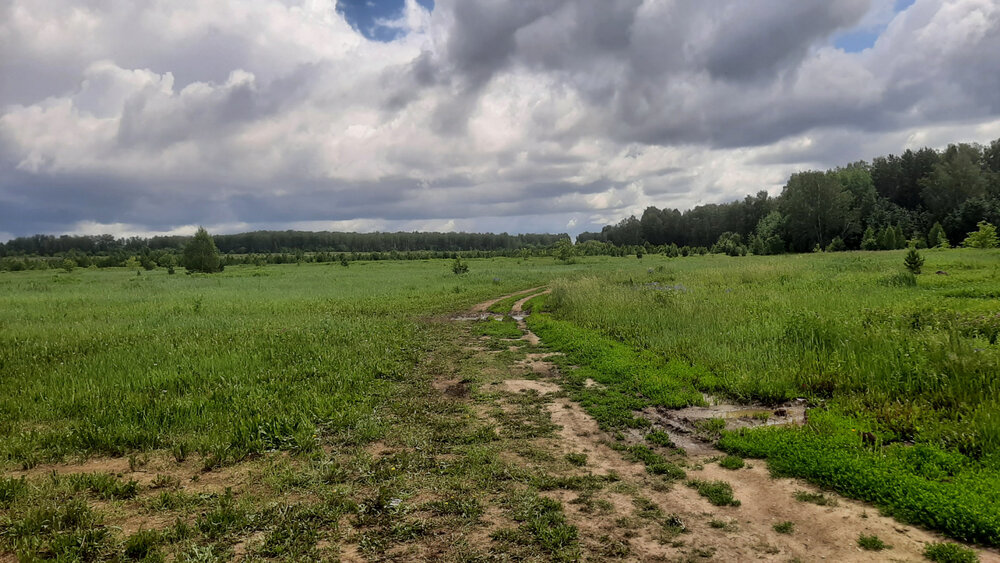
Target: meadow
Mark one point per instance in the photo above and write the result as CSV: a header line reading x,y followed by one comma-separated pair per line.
x,y
908,361
315,360
254,359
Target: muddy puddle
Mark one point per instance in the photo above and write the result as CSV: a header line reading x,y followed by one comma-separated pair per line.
x,y
690,428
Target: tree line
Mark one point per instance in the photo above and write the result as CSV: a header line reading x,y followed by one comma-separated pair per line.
x,y
924,197
279,242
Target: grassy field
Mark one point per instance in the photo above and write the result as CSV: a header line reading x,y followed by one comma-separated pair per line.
x,y
911,361
298,371
251,360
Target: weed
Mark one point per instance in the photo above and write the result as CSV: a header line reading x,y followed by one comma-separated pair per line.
x,y
732,462
816,498
577,459
143,545
718,493
660,438
872,543
950,553
786,527
461,506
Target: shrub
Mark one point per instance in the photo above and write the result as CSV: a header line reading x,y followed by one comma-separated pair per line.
x,y
985,237
836,245
459,267
872,543
732,462
786,527
950,553
718,493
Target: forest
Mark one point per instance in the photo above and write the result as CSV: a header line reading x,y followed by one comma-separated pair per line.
x,y
933,198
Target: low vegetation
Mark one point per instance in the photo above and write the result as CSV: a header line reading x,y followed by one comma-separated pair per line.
x,y
872,543
897,376
306,372
718,493
950,553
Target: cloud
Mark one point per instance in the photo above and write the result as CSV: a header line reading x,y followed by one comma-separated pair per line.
x,y
511,116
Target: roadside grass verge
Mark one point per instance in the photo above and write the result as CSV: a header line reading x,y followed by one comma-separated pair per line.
x,y
921,484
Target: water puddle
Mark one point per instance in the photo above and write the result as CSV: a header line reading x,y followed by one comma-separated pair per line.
x,y
690,428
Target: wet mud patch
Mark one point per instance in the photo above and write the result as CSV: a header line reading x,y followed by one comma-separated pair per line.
x,y
694,429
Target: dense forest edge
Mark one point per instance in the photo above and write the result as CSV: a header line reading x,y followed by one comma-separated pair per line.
x,y
924,198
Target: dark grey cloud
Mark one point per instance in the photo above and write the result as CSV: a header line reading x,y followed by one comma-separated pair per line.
x,y
277,112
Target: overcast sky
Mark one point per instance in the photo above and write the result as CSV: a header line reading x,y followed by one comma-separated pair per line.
x,y
127,117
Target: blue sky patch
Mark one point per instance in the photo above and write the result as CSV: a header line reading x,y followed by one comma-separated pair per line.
x,y
861,38
364,16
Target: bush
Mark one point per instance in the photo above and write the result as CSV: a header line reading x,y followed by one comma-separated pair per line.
x,y
985,237
732,462
836,245
718,493
950,553
459,267
872,543
786,527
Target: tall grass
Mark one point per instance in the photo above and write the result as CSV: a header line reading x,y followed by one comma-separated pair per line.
x,y
250,360
920,359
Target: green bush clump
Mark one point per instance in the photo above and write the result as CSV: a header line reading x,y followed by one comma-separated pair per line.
x,y
950,553
872,543
660,438
143,545
786,527
718,493
655,463
732,462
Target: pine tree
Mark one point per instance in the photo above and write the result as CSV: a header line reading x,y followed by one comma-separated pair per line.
x,y
201,255
913,261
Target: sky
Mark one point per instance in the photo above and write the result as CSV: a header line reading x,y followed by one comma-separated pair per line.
x,y
153,117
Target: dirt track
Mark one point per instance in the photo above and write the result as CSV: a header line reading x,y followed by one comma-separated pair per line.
x,y
821,533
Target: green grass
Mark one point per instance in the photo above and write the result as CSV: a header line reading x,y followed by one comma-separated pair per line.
x,y
285,357
505,328
321,361
870,348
